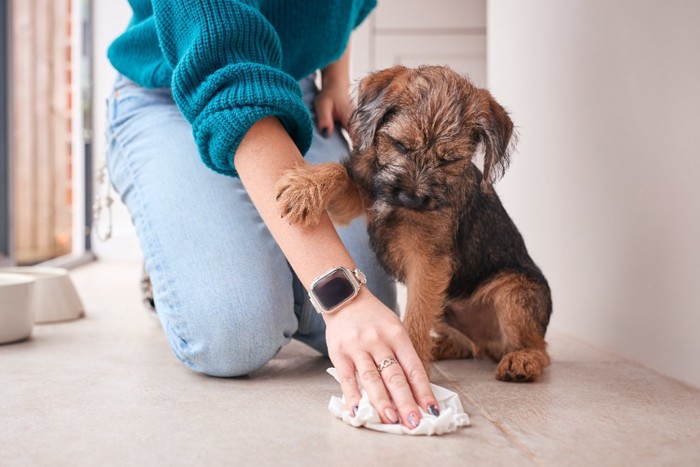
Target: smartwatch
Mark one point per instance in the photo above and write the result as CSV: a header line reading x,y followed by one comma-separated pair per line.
x,y
333,289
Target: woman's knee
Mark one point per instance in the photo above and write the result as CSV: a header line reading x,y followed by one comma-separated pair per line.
x,y
229,341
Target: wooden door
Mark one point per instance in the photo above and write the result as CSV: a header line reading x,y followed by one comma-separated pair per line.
x,y
40,128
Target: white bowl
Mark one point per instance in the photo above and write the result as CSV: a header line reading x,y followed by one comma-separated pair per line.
x,y
16,318
54,295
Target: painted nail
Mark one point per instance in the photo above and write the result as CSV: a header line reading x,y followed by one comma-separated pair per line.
x,y
413,419
324,132
391,415
433,410
354,410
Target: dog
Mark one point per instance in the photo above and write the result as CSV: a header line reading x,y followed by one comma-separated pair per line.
x,y
433,218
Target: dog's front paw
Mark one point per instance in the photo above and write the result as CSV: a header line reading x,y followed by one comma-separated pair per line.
x,y
522,365
299,197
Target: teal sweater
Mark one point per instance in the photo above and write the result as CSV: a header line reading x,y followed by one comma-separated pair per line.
x,y
231,63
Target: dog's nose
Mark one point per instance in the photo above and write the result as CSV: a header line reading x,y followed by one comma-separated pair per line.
x,y
412,201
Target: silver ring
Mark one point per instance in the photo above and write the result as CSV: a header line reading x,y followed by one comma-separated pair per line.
x,y
387,362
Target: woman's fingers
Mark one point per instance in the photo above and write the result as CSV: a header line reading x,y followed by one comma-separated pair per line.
x,y
417,377
400,391
348,384
324,115
395,392
374,385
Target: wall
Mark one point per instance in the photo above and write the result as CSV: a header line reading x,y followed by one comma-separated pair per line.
x,y
605,186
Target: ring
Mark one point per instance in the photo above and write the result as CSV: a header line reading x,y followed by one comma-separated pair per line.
x,y
387,362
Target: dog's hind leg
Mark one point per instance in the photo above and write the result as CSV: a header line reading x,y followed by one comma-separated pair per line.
x,y
519,308
523,307
306,191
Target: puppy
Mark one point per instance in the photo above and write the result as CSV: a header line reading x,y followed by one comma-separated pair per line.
x,y
433,218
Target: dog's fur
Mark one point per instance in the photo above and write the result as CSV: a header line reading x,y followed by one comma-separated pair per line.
x,y
433,218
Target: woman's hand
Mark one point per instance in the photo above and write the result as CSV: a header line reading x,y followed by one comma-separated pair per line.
x,y
333,101
332,105
360,336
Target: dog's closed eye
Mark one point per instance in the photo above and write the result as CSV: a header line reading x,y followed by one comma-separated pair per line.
x,y
444,162
400,146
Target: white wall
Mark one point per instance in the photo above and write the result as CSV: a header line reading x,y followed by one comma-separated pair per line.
x,y
606,184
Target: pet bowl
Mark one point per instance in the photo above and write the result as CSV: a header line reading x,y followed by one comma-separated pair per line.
x,y
16,318
54,295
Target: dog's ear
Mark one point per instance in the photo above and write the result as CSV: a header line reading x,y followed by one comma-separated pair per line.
x,y
373,105
495,131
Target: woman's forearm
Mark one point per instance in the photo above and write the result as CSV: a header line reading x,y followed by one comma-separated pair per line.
x,y
263,155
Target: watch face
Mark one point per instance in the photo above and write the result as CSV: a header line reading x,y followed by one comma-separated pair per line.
x,y
334,289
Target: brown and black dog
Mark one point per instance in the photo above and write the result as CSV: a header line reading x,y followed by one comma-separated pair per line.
x,y
434,220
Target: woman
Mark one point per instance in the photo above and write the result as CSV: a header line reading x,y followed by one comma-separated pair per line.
x,y
215,99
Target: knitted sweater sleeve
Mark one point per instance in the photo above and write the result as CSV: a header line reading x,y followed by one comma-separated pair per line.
x,y
227,59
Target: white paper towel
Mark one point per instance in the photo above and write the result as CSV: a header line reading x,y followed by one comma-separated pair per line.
x,y
452,415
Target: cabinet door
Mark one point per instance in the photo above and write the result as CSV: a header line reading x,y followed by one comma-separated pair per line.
x,y
463,53
433,15
416,32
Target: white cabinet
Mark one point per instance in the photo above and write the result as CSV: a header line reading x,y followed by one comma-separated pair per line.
x,y
430,14
415,32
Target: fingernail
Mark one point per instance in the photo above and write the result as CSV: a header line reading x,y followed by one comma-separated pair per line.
x,y
413,419
354,410
324,132
391,415
433,410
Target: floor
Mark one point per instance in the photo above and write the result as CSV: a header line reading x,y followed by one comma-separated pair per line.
x,y
106,390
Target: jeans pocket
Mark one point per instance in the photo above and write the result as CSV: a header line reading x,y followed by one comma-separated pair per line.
x,y
128,98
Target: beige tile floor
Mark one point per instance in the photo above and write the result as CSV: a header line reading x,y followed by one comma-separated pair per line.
x,y
106,390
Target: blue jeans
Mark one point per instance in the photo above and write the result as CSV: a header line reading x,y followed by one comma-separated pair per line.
x,y
225,295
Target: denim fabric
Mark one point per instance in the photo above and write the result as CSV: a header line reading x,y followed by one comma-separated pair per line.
x,y
225,295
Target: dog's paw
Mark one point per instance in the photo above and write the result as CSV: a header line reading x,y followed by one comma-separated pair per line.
x,y
299,197
521,366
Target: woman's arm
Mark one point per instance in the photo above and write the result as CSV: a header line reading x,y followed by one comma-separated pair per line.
x,y
364,331
226,61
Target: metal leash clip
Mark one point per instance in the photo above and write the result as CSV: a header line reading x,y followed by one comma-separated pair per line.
x,y
103,202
